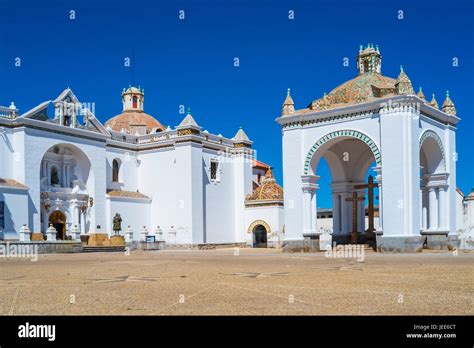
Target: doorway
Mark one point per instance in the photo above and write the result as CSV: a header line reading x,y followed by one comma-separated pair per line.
x,y
259,237
58,220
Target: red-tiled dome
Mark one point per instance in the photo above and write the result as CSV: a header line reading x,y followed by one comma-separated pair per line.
x,y
133,120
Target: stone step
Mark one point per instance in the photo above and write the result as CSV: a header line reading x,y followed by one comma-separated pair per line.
x,y
113,248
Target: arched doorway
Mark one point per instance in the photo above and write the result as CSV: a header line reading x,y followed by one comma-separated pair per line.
x,y
337,169
433,184
259,236
58,220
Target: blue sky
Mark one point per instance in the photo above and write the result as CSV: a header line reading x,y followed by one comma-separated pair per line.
x,y
190,62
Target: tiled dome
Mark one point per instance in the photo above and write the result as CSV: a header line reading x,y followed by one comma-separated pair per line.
x,y
268,189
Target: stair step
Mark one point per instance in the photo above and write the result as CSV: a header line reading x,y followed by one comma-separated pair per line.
x,y
89,249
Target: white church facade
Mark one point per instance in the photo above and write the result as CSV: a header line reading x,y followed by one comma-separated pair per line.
x,y
64,176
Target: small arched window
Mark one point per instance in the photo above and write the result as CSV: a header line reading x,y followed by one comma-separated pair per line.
x,y
134,101
115,170
54,176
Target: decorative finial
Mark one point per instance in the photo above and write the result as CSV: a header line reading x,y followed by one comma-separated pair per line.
x,y
189,111
447,93
360,48
288,92
401,68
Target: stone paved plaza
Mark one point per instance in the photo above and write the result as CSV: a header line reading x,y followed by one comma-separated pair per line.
x,y
254,282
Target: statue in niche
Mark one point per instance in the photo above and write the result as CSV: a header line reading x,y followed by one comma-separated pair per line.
x,y
117,224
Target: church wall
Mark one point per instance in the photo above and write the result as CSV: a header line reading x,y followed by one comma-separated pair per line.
x,y
135,213
36,143
158,178
218,199
7,150
292,171
242,163
128,171
400,174
460,212
271,215
15,212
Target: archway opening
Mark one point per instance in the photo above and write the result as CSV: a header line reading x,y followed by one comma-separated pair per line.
x,y
66,179
58,220
347,196
433,184
259,236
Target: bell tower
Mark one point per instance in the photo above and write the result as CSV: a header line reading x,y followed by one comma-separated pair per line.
x,y
133,99
369,60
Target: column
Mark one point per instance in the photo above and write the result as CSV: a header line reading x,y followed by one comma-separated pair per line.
x,y
336,213
378,180
63,175
314,212
433,209
83,222
48,173
424,212
307,210
345,214
361,213
442,208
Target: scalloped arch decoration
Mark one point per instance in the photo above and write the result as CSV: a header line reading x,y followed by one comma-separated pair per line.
x,y
432,134
342,133
256,223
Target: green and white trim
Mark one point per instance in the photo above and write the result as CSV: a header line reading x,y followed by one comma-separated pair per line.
x,y
342,133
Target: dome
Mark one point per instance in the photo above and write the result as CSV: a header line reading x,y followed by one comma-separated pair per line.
x,y
268,189
361,88
133,119
133,122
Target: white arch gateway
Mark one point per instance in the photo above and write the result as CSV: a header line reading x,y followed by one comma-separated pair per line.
x,y
378,122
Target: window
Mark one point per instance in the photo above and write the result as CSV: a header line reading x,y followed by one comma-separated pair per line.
x,y
214,168
115,171
134,102
54,176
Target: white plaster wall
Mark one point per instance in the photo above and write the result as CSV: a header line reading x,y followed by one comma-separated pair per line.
x,y
461,210
272,215
7,148
134,212
158,178
218,207
128,171
36,143
399,136
16,211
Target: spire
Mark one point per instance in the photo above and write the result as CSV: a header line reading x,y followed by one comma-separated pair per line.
x,y
188,120
448,105
241,135
241,139
288,105
269,174
403,84
433,102
421,95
